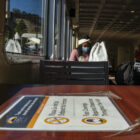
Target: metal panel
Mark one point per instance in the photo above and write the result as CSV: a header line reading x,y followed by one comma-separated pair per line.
x,y
51,28
44,28
70,41
67,40
59,18
63,25
57,71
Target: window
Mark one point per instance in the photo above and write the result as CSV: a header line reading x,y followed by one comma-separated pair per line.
x,y
58,31
24,27
38,28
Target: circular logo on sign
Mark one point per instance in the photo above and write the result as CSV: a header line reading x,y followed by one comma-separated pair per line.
x,y
94,120
11,120
56,120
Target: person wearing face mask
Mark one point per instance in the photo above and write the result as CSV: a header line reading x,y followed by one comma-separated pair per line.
x,y
82,52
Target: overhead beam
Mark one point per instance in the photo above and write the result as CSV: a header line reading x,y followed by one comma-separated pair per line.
x,y
123,27
97,16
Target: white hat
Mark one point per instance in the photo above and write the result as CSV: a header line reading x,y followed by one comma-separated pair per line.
x,y
35,40
81,41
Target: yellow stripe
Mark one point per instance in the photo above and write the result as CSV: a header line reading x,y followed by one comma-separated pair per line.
x,y
36,115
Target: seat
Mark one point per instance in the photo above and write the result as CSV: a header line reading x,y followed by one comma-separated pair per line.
x,y
70,72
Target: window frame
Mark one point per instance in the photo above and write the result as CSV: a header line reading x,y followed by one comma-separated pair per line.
x,y
45,8
63,25
51,29
67,38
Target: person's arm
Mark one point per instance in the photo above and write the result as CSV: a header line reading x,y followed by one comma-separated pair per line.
x,y
74,55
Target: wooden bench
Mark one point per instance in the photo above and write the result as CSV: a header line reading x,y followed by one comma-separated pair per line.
x,y
69,72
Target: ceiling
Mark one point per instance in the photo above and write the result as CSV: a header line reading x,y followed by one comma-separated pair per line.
x,y
109,19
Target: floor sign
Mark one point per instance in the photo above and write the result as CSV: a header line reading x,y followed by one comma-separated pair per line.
x,y
63,113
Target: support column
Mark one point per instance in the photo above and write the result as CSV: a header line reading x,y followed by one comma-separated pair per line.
x,y
2,23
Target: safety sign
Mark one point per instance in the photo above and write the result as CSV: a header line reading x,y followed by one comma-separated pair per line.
x,y
56,120
94,120
63,113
